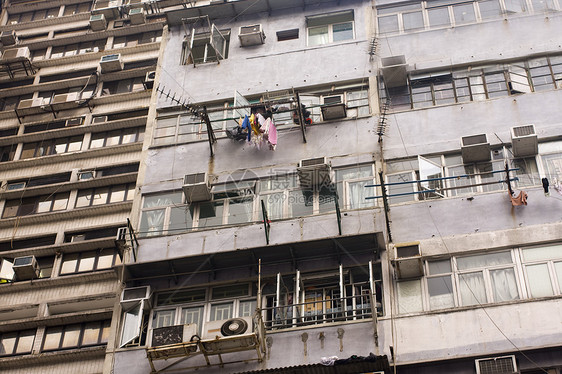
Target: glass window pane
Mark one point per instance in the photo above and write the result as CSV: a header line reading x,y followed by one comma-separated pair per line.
x,y
87,261
84,198
8,343
210,213
300,203
318,35
43,206
342,31
61,202
440,292
274,204
163,318
113,138
412,21
69,263
25,343
388,24
464,13
439,17
490,9
163,199
542,253
131,325
152,222
240,210
515,6
400,188
105,259
558,271
539,280
117,194
439,267
247,308
221,311
409,297
491,259
100,195
504,284
472,289
52,338
105,332
181,218
71,336
91,333
543,5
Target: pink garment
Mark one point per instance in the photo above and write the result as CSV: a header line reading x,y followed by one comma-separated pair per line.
x,y
271,134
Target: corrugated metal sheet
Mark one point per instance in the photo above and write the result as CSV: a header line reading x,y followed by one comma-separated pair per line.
x,y
354,366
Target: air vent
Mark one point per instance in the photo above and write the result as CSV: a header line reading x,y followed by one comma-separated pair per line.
x,y
111,63
251,35
524,141
496,365
475,148
314,172
196,187
8,37
98,22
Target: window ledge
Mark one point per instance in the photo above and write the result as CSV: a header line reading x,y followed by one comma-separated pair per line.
x,y
70,214
71,156
68,280
69,355
311,48
65,20
128,96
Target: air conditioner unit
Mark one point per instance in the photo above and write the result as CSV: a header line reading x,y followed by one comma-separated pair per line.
x,y
26,268
77,238
21,53
492,365
137,16
314,172
149,80
173,335
136,3
6,271
98,22
333,108
99,119
65,98
229,327
15,186
196,187
111,63
408,261
251,35
30,103
84,175
121,235
8,37
394,71
524,141
475,148
133,295
78,121
109,8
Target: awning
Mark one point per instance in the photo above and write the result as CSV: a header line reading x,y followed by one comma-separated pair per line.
x,y
352,365
350,249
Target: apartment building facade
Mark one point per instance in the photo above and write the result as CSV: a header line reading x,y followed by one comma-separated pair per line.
x,y
74,105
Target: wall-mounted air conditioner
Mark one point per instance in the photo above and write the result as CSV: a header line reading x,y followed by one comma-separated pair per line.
x,y
314,172
98,22
15,186
196,187
394,71
173,335
78,121
137,16
492,365
333,107
65,98
408,261
30,103
109,8
6,270
133,295
26,268
475,148
229,327
149,80
8,37
524,141
251,35
111,63
20,53
99,119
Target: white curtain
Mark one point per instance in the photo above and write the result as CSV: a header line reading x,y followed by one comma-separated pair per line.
x,y
472,288
539,280
504,284
274,205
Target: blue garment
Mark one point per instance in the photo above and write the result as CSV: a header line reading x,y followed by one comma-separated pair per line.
x,y
246,125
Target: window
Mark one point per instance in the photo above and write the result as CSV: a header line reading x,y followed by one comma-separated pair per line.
x,y
90,261
76,335
164,212
35,205
16,343
206,47
8,152
351,184
123,86
543,269
11,103
135,39
51,147
72,9
117,137
287,35
33,16
330,28
78,48
105,195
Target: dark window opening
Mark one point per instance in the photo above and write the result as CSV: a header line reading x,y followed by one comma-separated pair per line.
x,y
287,35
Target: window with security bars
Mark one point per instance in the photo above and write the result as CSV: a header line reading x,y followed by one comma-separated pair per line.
x,y
496,365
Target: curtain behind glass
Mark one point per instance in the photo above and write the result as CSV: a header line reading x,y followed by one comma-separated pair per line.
x,y
472,289
504,284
